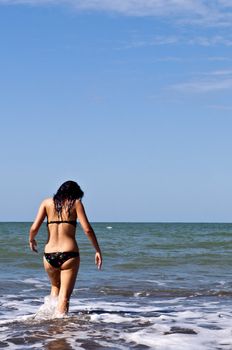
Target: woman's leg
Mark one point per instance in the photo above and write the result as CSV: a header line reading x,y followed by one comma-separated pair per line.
x,y
54,276
68,274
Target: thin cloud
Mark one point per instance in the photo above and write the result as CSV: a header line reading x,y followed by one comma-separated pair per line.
x,y
203,86
221,107
155,41
208,82
224,108
169,59
31,2
219,58
211,41
222,72
226,3
145,7
217,12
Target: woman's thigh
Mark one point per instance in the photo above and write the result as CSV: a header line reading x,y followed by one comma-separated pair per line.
x,y
68,274
53,273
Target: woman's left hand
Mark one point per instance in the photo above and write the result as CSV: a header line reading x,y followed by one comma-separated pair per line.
x,y
33,245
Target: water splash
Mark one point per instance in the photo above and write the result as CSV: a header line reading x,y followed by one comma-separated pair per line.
x,y
49,309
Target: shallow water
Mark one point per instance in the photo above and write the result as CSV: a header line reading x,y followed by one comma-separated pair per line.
x,y
163,286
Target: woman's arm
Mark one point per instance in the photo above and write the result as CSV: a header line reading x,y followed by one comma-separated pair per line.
x,y
36,225
87,228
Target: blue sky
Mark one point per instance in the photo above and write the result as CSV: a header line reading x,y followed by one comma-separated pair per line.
x,y
132,99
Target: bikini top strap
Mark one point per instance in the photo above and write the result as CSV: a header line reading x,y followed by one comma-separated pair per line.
x,y
71,222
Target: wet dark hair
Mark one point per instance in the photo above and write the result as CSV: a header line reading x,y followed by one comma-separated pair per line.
x,y
69,191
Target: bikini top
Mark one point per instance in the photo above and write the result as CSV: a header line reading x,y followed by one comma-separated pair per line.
x,y
71,222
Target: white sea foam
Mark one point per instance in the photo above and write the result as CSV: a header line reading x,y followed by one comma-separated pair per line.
x,y
17,319
171,324
141,294
158,283
49,309
38,283
208,330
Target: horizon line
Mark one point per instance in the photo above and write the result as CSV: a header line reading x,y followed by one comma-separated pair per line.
x,y
135,222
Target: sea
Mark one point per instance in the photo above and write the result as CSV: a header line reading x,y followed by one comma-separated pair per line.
x,y
163,286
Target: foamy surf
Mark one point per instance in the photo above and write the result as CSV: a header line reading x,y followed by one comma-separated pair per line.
x,y
17,319
174,324
163,287
49,309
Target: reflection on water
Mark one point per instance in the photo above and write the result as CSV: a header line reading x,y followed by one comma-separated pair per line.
x,y
58,344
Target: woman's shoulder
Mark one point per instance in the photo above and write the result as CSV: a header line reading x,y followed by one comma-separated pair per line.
x,y
47,202
78,202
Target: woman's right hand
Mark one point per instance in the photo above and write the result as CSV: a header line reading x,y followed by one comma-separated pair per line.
x,y
33,245
98,260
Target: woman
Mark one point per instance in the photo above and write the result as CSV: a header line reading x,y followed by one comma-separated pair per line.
x,y
61,254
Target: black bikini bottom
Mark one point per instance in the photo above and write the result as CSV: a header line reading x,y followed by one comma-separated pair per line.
x,y
58,258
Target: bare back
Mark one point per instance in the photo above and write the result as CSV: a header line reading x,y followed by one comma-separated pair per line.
x,y
62,268
61,237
